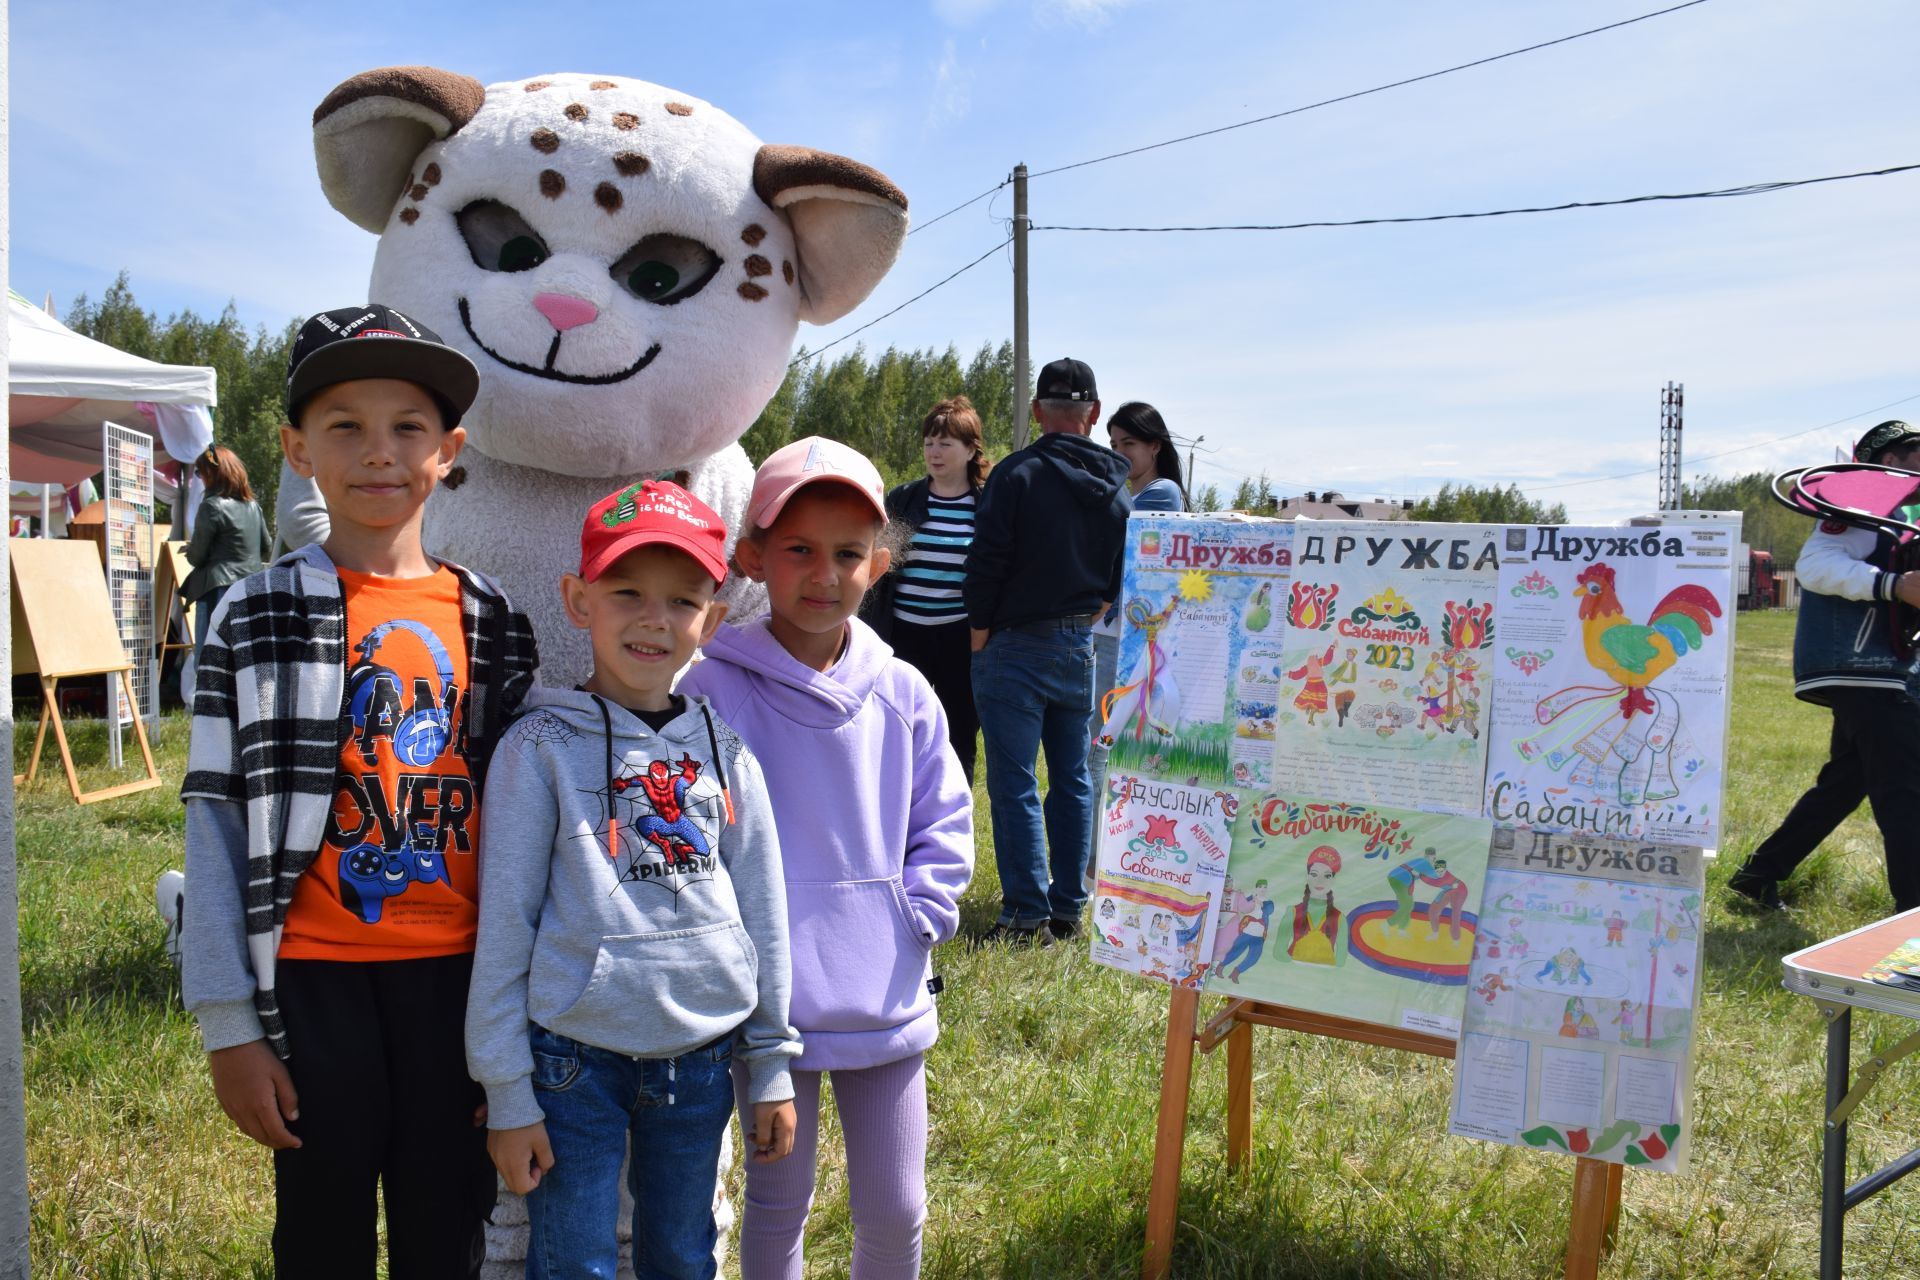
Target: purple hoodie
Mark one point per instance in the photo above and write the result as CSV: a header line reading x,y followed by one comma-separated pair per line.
x,y
876,830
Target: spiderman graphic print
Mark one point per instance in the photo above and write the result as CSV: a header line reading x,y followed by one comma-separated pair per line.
x,y
669,827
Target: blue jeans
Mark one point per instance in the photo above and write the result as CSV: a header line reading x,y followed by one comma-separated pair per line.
x,y
675,1110
1033,688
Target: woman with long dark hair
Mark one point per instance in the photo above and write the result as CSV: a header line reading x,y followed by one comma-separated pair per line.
x,y
1139,434
230,538
920,612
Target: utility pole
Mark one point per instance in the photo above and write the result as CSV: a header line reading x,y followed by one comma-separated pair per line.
x,y
1193,481
1022,370
1671,401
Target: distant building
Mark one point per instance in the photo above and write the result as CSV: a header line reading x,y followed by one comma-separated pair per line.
x,y
1337,506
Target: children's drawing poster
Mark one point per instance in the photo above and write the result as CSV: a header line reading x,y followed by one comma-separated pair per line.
x,y
1611,680
1386,677
1579,1023
1201,622
1357,910
1163,860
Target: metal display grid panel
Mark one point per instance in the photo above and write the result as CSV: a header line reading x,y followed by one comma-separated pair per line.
x,y
130,552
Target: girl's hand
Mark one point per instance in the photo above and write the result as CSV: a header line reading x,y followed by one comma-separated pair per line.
x,y
772,1131
521,1155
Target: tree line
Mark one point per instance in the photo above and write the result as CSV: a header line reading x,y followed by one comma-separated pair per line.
x,y
874,403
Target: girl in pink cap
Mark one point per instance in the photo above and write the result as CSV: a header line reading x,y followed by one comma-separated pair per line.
x,y
873,805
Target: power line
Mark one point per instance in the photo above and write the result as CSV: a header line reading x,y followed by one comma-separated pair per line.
x,y
903,306
1708,457
1294,111
964,203
1348,97
1750,189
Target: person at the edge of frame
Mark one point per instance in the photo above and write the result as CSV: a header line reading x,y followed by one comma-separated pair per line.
x,y
1843,659
1044,565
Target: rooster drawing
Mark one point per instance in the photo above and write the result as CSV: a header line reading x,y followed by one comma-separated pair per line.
x,y
1618,738
1635,656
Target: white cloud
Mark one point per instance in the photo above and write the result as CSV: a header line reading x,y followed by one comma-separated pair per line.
x,y
951,97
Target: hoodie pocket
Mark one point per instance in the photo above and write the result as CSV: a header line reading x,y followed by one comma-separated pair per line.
x,y
859,961
652,993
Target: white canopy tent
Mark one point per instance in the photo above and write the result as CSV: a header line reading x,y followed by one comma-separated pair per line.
x,y
62,385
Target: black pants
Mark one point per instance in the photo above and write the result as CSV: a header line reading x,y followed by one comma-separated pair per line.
x,y
379,1067
1876,757
944,655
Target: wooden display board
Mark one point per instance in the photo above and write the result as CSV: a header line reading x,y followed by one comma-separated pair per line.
x,y
1596,1184
170,572
63,627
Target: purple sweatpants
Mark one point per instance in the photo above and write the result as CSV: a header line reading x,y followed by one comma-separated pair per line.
x,y
883,1113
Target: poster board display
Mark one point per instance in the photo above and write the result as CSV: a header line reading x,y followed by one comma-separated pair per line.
x,y
1611,690
1362,911
63,627
1163,861
1201,617
1386,677
1579,1025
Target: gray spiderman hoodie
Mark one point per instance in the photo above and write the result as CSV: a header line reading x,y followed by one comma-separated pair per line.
x,y
619,905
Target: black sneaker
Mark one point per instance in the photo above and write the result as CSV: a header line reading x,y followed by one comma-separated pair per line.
x,y
1755,894
1063,930
1017,936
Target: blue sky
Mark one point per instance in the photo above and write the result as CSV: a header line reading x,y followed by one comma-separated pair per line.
x,y
173,141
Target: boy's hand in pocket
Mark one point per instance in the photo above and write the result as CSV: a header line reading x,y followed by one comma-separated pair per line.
x,y
521,1155
772,1131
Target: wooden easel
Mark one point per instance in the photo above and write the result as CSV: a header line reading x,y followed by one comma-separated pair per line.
x,y
62,628
170,572
1596,1183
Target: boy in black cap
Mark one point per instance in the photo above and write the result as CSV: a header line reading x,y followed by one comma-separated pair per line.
x,y
347,702
1045,562
1843,658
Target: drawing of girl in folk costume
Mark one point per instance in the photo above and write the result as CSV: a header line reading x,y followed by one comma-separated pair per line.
x,y
1152,694
1316,921
1312,697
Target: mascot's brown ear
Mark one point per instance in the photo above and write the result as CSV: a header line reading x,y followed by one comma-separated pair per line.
x,y
369,130
848,221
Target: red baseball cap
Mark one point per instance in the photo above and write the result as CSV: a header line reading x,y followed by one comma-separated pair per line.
x,y
652,511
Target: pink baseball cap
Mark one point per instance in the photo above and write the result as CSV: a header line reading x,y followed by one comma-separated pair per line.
x,y
793,467
652,511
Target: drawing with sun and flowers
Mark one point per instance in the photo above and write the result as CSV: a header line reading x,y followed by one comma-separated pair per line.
x,y
1387,671
1612,708
1201,617
1162,865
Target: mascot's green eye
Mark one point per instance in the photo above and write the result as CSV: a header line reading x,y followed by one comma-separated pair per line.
x,y
499,239
665,268
650,280
522,253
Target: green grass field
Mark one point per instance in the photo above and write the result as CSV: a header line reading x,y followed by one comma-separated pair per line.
x,y
1043,1090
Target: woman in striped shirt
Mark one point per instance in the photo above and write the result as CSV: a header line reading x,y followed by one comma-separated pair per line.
x,y
925,620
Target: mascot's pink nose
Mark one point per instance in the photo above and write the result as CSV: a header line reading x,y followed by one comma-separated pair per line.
x,y
564,311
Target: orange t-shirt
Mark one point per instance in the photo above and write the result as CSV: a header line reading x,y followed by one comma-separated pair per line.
x,y
396,877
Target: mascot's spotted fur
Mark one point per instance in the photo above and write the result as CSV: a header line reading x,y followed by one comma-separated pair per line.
x,y
627,266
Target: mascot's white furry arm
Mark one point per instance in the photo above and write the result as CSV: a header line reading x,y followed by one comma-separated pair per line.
x,y
626,264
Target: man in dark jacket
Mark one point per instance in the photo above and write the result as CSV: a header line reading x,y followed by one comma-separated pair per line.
x,y
1843,658
1044,564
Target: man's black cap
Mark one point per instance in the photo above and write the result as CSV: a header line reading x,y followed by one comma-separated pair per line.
x,y
373,341
1066,380
1888,435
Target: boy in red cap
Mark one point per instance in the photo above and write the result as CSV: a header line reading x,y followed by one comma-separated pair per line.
x,y
633,918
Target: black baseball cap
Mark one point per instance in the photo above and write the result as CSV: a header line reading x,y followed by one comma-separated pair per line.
x,y
374,341
1066,380
1890,434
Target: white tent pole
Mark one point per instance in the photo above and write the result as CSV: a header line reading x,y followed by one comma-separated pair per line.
x,y
14,1215
46,511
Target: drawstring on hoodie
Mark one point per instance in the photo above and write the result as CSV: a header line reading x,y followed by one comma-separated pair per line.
x,y
613,821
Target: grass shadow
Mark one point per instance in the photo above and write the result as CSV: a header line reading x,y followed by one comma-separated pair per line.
x,y
64,987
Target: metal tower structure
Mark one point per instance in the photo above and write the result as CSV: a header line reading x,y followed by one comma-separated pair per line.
x,y
1671,401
